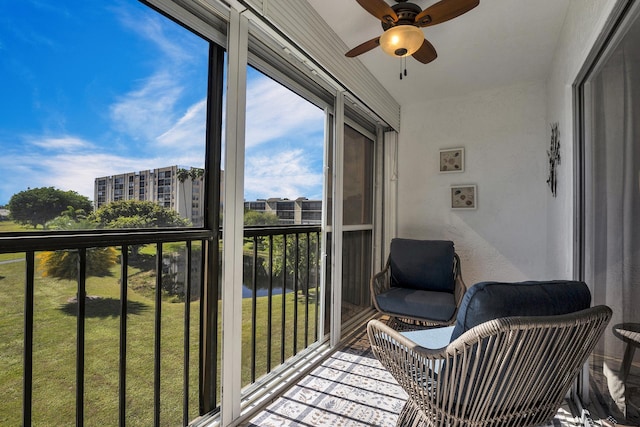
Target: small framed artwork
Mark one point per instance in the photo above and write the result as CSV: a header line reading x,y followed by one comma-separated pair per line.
x,y
452,160
464,197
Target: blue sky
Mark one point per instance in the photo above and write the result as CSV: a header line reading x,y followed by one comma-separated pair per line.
x,y
91,88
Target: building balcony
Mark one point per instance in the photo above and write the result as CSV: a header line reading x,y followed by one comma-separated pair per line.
x,y
156,359
140,342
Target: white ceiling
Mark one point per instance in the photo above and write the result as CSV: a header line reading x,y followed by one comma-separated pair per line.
x,y
499,43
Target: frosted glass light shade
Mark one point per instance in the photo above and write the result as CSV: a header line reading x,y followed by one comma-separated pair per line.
x,y
401,40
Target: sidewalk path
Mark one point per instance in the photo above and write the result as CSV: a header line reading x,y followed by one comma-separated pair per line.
x,y
12,260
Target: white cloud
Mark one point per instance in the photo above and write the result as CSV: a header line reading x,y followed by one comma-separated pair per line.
x,y
73,164
77,172
148,112
282,174
63,143
274,112
155,29
150,120
189,130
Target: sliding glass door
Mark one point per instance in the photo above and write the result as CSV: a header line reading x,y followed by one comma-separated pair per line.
x,y
611,220
357,233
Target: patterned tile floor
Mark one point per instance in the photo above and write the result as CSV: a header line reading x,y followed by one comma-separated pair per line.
x,y
350,388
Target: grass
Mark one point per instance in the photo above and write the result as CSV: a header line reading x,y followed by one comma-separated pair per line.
x,y
9,227
54,353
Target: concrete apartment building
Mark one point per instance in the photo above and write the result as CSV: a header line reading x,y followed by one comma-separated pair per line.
x,y
299,211
182,190
172,187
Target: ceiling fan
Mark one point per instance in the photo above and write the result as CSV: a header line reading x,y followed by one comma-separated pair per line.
x,y
402,22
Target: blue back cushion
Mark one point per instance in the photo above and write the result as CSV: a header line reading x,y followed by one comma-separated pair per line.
x,y
491,300
422,264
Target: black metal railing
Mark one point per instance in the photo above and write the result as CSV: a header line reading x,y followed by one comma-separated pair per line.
x,y
284,262
78,245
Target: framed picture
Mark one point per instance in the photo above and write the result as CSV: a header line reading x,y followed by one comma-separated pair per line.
x,y
452,160
464,196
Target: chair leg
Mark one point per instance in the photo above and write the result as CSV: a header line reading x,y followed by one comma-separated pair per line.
x,y
410,416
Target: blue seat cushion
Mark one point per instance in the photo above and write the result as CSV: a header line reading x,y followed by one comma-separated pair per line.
x,y
431,338
438,306
422,264
491,300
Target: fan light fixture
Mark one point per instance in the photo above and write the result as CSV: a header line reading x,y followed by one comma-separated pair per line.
x,y
401,40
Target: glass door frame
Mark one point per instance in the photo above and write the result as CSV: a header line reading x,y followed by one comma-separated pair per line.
x,y
623,15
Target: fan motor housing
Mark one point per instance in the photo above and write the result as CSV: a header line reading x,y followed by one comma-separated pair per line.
x,y
406,14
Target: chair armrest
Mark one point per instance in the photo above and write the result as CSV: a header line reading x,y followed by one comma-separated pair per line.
x,y
381,281
414,367
459,286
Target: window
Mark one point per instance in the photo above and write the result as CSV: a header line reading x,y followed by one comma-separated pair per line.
x,y
100,94
115,103
283,163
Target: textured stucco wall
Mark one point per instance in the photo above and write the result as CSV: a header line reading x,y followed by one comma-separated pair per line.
x,y
519,231
583,24
503,132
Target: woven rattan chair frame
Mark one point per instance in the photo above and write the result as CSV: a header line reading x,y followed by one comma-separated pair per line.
x,y
381,282
508,372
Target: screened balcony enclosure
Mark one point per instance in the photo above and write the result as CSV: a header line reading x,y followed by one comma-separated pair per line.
x,y
196,193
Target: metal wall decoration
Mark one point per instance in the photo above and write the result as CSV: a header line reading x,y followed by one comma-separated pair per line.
x,y
554,158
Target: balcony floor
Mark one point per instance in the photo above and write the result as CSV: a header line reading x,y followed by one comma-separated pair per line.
x,y
350,388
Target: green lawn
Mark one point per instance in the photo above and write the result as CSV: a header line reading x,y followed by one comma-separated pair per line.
x,y
10,226
54,351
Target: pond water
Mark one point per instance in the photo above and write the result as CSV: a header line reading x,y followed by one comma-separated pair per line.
x,y
247,292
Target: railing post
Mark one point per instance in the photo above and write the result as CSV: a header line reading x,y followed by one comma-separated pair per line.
x,y
157,337
284,296
296,272
270,305
27,391
124,276
254,282
82,299
307,287
317,275
187,334
209,326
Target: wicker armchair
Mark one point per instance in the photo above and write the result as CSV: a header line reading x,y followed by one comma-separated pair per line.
x,y
509,371
420,285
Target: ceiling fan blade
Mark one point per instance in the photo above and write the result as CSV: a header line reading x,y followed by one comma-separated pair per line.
x,y
379,9
364,47
426,53
443,11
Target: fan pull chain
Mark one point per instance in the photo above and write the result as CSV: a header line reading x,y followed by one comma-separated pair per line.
x,y
403,66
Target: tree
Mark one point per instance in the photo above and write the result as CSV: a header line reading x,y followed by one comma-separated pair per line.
x,y
36,206
71,219
64,264
260,218
182,174
137,214
196,173
305,244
